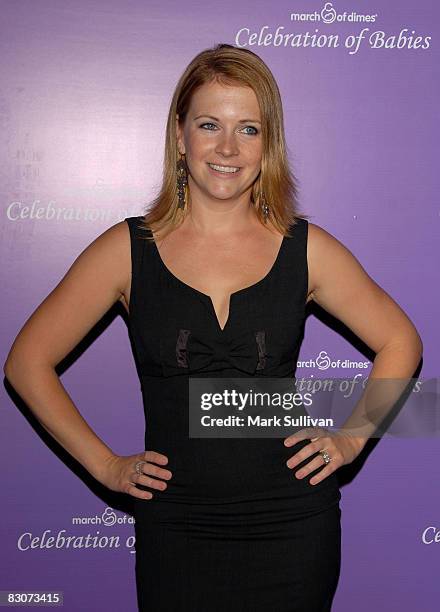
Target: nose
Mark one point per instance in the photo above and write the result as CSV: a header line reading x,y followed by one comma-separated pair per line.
x,y
227,145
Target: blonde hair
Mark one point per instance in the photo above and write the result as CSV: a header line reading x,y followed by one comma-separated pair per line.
x,y
231,65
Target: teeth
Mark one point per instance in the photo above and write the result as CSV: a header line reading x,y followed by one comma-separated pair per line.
x,y
224,168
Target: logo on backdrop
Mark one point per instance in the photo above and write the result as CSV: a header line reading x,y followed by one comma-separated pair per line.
x,y
107,518
327,15
323,361
65,539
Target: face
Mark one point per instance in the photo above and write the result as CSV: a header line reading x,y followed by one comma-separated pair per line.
x,y
222,128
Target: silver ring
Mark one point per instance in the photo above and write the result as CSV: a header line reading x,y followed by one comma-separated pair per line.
x,y
325,456
138,467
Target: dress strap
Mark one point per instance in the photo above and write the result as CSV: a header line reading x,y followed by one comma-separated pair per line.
x,y
139,258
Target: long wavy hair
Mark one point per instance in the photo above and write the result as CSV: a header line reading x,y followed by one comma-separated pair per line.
x,y
230,65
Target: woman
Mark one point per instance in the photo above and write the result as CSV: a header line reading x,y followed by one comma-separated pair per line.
x,y
216,277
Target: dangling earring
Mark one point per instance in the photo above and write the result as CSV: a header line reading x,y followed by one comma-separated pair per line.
x,y
182,181
265,207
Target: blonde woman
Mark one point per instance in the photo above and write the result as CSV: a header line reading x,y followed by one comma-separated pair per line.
x,y
215,278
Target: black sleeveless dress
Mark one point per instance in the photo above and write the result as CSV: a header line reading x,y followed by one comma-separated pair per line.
x,y
235,530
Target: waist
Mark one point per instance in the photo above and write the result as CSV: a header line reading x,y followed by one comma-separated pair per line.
x,y
229,471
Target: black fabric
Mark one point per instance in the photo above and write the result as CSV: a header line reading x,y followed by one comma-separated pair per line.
x,y
235,530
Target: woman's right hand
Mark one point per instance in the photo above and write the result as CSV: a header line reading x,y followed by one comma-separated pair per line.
x,y
119,473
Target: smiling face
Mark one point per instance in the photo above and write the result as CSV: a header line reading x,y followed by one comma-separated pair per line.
x,y
222,128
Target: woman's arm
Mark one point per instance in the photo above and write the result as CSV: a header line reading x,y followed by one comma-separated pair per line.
x,y
96,280
341,286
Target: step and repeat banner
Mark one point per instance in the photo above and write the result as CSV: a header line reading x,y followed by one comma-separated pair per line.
x,y
86,88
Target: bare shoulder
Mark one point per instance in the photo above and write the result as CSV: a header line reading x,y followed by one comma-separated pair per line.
x,y
324,250
117,237
319,238
111,250
116,247
339,283
319,242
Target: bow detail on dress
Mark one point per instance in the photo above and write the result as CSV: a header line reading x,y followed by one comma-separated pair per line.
x,y
190,353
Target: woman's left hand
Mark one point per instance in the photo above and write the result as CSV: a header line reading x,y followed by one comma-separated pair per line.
x,y
340,446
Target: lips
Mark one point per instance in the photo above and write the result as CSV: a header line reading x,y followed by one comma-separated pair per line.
x,y
223,170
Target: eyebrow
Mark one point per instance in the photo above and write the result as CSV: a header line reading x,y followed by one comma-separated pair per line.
x,y
215,119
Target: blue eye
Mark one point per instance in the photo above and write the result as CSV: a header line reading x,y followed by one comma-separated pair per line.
x,y
251,127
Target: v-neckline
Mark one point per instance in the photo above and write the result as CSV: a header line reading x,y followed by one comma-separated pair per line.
x,y
232,295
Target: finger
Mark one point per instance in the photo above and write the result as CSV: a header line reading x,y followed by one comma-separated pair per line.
x,y
155,457
307,451
135,492
154,470
149,482
324,473
311,466
303,434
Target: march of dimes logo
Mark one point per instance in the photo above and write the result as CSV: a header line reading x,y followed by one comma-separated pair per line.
x,y
329,15
268,36
107,518
323,361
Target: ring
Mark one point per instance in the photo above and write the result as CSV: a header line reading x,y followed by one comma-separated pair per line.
x,y
138,467
325,456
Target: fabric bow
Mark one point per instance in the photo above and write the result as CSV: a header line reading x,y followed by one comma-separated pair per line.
x,y
245,352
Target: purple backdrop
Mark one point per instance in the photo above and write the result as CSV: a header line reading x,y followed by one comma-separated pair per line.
x,y
86,89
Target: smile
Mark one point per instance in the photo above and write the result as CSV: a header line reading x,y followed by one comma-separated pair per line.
x,y
224,169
